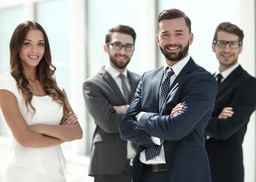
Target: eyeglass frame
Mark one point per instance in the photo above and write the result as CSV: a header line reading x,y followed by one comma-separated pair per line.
x,y
215,42
122,46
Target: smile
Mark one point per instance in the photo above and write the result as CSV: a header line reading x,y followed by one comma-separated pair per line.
x,y
173,47
33,57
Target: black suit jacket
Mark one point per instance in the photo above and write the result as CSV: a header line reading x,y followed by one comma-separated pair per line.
x,y
224,147
109,152
183,134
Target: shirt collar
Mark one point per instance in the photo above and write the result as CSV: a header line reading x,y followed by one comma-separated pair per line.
x,y
113,72
179,65
227,71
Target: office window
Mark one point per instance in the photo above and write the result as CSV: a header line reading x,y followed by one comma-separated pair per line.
x,y
9,19
54,17
101,19
204,24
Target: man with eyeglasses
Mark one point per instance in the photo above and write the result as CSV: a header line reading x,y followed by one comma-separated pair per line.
x,y
107,96
235,102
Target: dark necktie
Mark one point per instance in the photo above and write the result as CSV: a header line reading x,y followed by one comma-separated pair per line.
x,y
219,78
124,88
152,152
165,87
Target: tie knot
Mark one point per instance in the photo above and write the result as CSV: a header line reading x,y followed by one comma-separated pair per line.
x,y
121,75
169,72
219,78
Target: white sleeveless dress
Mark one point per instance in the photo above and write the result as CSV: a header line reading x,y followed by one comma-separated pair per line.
x,y
27,164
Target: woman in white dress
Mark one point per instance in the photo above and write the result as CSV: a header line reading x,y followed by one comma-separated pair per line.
x,y
35,109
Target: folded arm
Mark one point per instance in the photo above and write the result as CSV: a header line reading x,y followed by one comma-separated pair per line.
x,y
198,95
100,108
128,126
21,131
68,130
243,104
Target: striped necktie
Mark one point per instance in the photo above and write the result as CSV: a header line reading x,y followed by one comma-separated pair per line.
x,y
126,92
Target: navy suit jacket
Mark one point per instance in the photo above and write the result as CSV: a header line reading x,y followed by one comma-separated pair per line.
x,y
183,134
101,93
224,147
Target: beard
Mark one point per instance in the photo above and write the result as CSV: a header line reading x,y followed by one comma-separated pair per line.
x,y
118,64
175,56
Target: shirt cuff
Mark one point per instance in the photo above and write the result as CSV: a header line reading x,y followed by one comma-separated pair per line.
x,y
139,115
156,140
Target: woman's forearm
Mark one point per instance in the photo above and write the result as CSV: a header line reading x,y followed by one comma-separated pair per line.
x,y
63,132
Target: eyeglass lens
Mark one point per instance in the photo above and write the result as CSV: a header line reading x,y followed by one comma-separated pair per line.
x,y
232,44
119,46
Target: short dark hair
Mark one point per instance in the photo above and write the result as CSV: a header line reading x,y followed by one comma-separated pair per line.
x,y
173,14
120,29
229,28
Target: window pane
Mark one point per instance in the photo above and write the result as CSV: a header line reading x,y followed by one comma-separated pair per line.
x,y
54,17
6,29
100,20
58,32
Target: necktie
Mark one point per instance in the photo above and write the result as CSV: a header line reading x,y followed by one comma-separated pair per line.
x,y
165,87
152,152
219,78
124,88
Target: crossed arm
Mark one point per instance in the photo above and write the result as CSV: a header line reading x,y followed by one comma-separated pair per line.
x,y
39,135
227,112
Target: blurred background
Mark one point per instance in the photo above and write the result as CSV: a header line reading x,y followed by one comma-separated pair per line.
x,y
76,30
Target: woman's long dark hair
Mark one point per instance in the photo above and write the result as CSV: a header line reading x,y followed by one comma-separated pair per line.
x,y
44,71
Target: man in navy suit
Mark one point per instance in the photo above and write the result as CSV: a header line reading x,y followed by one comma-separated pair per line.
x,y
235,102
180,154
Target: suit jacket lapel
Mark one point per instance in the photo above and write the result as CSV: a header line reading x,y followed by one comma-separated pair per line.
x,y
233,76
184,72
157,80
108,78
133,85
182,75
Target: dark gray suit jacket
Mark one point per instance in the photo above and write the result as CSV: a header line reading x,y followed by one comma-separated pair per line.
x,y
183,134
108,152
224,147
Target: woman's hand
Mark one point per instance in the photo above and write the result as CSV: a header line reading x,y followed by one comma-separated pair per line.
x,y
70,119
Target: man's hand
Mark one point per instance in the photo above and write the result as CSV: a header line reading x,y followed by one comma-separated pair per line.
x,y
227,112
176,109
120,109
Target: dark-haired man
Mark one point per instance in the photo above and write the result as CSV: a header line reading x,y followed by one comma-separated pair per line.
x,y
171,146
107,96
235,103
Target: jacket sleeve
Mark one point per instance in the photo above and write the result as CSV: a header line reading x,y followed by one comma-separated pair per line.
x,y
128,127
198,94
100,107
243,103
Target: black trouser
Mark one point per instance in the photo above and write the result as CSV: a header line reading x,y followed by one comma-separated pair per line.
x,y
124,176
147,176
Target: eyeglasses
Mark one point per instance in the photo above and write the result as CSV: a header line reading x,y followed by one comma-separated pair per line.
x,y
223,43
119,46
